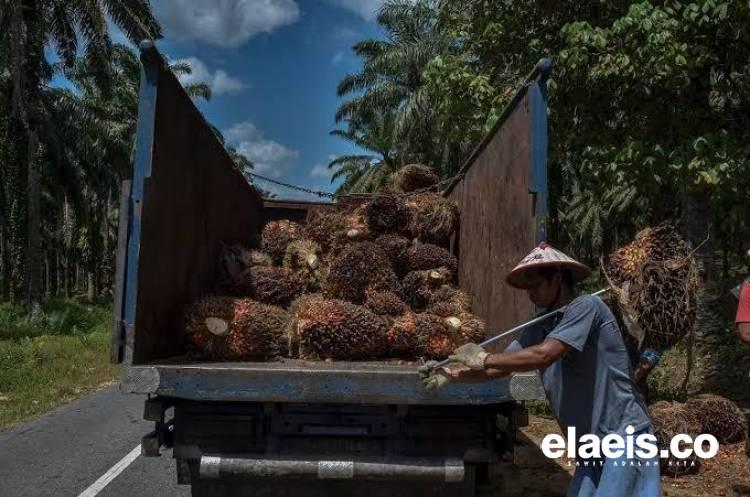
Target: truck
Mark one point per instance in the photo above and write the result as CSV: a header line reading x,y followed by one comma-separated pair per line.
x,y
294,427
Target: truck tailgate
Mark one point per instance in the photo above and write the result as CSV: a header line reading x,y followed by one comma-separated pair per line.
x,y
316,382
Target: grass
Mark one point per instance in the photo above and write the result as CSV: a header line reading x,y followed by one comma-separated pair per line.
x,y
51,360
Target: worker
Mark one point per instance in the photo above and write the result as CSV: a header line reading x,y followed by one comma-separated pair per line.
x,y
584,367
743,308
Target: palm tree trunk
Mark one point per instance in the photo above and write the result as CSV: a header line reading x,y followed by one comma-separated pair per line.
x,y
698,228
90,285
34,221
4,254
58,272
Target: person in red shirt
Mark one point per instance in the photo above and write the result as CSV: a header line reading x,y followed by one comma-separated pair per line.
x,y
743,309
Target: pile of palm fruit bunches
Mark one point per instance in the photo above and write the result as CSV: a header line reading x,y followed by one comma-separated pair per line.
x,y
707,413
356,281
655,281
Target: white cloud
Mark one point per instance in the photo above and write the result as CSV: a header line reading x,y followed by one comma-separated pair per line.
x,y
270,158
366,9
220,82
225,23
320,171
337,58
346,33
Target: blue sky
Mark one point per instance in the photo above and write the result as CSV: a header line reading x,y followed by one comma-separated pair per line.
x,y
273,66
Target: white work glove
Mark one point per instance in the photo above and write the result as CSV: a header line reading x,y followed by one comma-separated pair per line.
x,y
432,378
470,355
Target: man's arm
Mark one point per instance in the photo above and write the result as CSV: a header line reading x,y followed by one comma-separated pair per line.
x,y
528,359
743,331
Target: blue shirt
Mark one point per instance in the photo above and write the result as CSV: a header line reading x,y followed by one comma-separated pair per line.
x,y
590,387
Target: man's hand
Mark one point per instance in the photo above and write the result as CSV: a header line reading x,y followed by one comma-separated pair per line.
x,y
470,355
432,378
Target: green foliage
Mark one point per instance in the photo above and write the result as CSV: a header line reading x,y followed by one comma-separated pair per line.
x,y
58,317
648,103
38,374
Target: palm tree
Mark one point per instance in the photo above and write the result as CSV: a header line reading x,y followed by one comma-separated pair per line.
x,y
27,26
391,74
372,131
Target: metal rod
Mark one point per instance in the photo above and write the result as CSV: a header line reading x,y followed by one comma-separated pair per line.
x,y
495,338
442,470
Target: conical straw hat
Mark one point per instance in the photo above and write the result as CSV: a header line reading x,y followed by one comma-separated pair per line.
x,y
544,255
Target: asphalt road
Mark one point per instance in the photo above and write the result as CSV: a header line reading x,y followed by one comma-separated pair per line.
x,y
63,453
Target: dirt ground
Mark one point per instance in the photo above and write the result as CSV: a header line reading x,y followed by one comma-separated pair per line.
x,y
726,475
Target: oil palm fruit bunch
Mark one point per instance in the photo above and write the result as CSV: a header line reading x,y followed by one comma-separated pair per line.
x,y
304,258
449,301
434,218
359,267
434,339
277,235
414,177
272,285
720,417
207,324
656,281
670,419
225,328
335,329
324,226
396,247
236,259
384,303
401,335
388,213
423,256
418,287
258,331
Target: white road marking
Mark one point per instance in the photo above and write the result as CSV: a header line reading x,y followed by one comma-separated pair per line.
x,y
111,473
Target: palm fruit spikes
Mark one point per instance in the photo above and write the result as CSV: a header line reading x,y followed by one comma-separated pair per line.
x,y
277,235
236,259
335,329
388,213
414,177
258,331
720,417
422,256
359,267
225,328
434,336
434,218
325,226
272,285
656,281
207,323
384,303
401,336
304,258
396,247
449,301
417,287
670,419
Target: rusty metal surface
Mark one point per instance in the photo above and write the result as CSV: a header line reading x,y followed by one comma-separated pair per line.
x,y
360,383
498,223
192,200
118,330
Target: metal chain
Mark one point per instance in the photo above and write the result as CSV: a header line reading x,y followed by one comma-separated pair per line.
x,y
293,187
334,196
